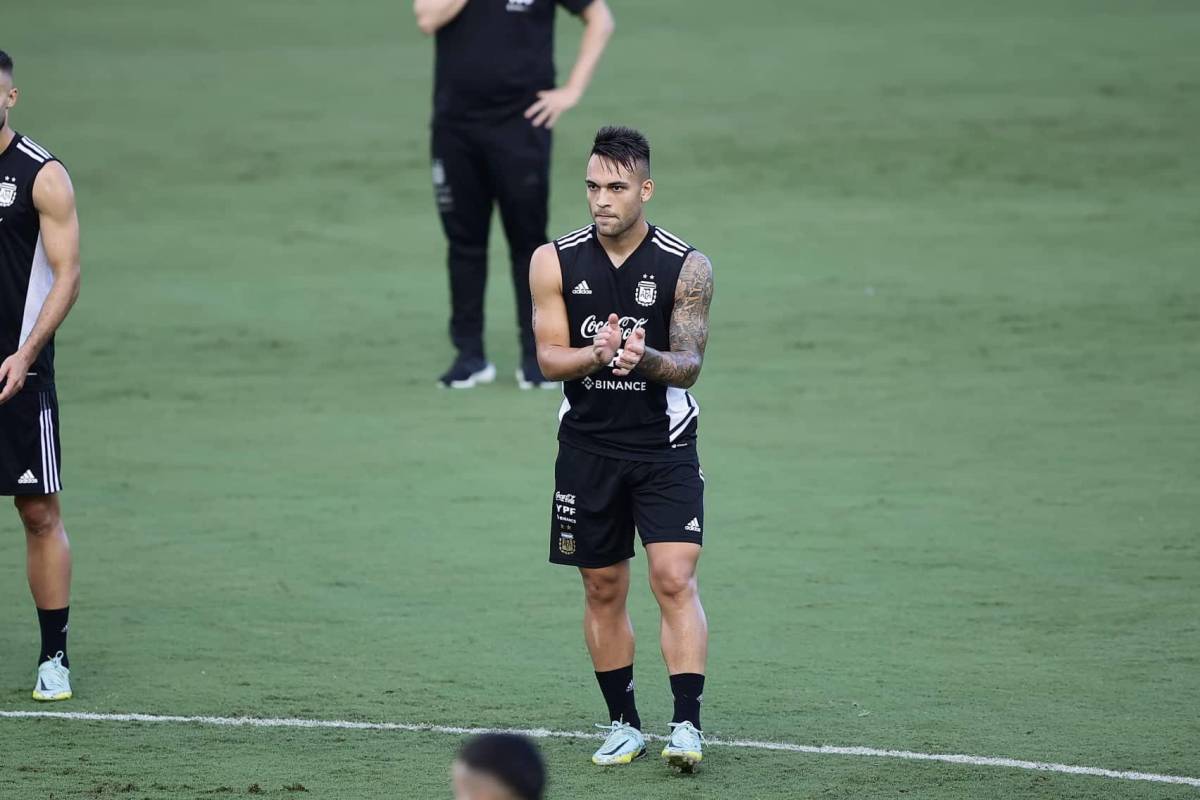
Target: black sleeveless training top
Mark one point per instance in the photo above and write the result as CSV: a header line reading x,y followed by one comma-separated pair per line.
x,y
631,417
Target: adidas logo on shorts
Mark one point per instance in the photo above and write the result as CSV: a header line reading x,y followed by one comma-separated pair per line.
x,y
27,478
693,526
582,288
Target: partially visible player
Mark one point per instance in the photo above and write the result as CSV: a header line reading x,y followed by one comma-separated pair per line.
x,y
39,281
499,766
621,317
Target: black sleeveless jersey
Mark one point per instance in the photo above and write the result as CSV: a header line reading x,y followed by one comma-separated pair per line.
x,y
25,275
630,417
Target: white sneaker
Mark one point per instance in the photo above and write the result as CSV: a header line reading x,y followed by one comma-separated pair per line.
x,y
622,745
467,374
685,747
54,680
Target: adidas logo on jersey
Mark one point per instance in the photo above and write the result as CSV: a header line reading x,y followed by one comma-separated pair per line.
x,y
582,288
693,526
27,478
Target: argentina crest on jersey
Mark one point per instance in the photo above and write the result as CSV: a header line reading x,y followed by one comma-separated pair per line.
x,y
8,192
647,291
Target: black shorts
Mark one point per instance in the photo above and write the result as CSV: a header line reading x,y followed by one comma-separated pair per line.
x,y
29,446
599,500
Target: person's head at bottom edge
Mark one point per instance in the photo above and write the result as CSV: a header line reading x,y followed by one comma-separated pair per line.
x,y
499,766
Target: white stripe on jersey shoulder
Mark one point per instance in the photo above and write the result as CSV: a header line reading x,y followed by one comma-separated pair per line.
x,y
670,248
670,237
578,241
35,147
35,156
573,234
575,237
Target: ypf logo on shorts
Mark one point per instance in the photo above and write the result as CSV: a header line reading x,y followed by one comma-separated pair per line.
x,y
564,509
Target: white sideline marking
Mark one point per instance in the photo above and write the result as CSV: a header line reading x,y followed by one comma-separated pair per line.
x,y
545,733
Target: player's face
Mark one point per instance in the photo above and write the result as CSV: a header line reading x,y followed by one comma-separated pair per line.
x,y
616,196
8,97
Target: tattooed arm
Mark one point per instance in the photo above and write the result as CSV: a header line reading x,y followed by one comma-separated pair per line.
x,y
679,366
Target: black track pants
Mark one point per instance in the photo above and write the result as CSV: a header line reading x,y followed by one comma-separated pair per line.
x,y
475,166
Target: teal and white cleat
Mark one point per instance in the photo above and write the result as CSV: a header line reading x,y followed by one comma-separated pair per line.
x,y
623,744
54,680
685,747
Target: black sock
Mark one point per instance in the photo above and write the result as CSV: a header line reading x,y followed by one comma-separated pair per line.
x,y
688,688
54,633
617,686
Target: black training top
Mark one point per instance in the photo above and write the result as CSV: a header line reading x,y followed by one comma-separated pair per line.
x,y
494,57
631,417
25,275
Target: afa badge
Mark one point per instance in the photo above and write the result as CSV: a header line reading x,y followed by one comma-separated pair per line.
x,y
8,194
647,293
566,543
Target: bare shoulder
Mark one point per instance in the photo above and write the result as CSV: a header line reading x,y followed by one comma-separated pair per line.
x,y
543,267
52,188
695,280
697,263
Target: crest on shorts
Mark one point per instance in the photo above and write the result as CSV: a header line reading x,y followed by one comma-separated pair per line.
x,y
8,193
566,543
647,293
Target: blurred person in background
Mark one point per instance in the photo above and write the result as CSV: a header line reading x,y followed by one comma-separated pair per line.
x,y
39,282
499,766
494,103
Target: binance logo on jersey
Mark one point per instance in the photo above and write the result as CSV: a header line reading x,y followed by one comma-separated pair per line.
x,y
615,386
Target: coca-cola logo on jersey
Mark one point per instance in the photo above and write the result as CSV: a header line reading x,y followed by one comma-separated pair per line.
x,y
591,326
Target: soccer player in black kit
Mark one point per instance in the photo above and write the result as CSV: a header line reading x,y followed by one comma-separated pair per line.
x,y
621,317
494,103
39,281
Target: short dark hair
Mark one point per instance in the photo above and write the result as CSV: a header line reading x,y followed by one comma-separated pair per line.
x,y
6,64
511,759
624,146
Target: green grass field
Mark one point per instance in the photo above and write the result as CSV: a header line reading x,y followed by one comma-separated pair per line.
x,y
951,405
